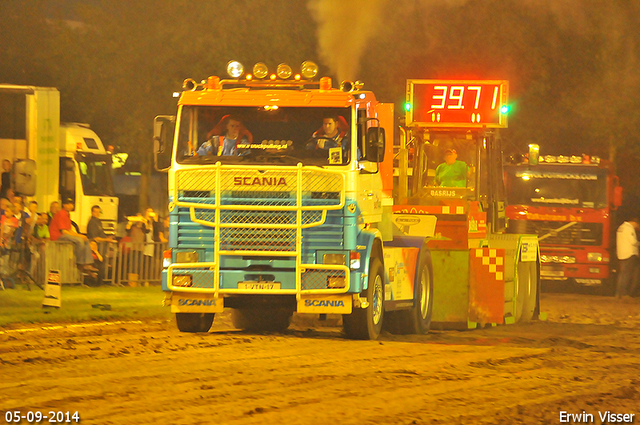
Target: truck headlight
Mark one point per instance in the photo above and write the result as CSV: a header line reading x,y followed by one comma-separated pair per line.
x,y
334,259
594,256
567,259
184,281
187,257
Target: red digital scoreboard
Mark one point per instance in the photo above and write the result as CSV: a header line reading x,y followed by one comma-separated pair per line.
x,y
457,103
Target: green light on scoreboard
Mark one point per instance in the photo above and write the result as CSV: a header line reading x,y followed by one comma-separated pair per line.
x,y
407,106
504,109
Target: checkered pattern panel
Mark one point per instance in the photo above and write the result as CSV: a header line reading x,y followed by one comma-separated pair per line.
x,y
491,261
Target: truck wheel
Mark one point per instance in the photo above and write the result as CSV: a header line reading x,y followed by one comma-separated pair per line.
x,y
366,323
418,319
194,322
261,319
527,291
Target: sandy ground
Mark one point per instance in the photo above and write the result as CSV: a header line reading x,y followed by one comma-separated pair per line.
x,y
585,357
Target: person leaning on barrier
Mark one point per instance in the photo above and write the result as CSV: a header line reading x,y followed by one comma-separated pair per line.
x,y
54,207
95,231
41,229
61,229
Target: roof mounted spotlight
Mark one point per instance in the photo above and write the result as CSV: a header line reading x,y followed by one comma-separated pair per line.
x,y
358,85
260,70
309,69
235,69
189,84
284,71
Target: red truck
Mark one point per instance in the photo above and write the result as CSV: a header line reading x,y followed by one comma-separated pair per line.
x,y
568,201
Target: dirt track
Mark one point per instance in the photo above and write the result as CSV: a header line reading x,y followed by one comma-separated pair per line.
x,y
585,357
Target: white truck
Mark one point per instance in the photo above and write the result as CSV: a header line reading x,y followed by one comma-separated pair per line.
x,y
53,161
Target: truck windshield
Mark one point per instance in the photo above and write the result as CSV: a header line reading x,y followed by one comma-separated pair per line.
x,y
264,135
445,168
557,186
95,173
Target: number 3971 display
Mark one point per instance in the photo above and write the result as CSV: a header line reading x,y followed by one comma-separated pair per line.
x,y
457,103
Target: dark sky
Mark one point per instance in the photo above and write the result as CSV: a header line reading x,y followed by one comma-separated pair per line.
x,y
572,64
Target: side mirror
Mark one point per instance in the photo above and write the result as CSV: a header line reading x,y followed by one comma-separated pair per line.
x,y
163,130
617,196
375,144
24,177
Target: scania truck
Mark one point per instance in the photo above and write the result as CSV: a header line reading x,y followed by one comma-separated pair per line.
x,y
569,201
269,215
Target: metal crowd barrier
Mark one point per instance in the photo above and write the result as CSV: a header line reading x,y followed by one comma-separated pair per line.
x,y
51,255
124,263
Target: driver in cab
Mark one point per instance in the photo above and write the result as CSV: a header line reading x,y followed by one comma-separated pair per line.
x,y
451,173
226,144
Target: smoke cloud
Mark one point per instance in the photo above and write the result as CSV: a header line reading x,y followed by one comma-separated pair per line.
x,y
344,27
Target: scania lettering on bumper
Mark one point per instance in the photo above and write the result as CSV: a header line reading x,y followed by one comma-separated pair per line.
x,y
333,304
195,303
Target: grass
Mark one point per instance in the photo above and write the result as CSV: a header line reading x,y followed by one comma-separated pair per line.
x,y
21,306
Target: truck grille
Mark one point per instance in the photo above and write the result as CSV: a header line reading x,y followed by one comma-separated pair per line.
x,y
575,233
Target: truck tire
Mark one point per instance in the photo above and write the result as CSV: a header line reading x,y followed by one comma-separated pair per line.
x,y
194,322
418,319
366,323
261,319
527,276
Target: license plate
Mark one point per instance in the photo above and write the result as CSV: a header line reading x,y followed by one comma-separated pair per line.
x,y
555,273
259,286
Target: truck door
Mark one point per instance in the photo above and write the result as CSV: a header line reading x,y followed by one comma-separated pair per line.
x,y
67,183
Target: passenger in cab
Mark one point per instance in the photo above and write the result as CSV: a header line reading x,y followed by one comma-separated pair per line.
x,y
333,132
226,139
451,173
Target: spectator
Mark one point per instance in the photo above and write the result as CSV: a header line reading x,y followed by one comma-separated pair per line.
x,y
41,229
4,204
163,231
61,229
95,231
32,218
19,213
137,232
627,250
6,178
98,262
8,225
54,207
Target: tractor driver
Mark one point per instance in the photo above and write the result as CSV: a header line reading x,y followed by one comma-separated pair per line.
x,y
451,173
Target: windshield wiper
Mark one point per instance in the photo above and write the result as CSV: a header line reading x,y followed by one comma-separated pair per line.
x,y
555,232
